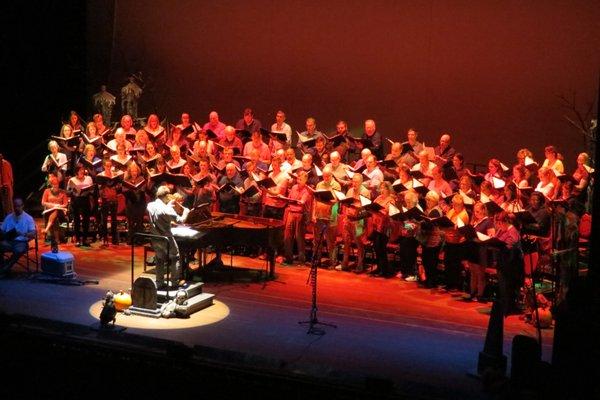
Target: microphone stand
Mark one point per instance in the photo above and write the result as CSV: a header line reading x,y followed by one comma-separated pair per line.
x,y
312,278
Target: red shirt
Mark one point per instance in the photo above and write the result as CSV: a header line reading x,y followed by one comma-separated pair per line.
x,y
301,194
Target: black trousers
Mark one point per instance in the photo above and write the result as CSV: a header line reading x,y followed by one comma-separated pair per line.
x,y
80,206
109,209
380,241
408,255
135,219
430,257
453,255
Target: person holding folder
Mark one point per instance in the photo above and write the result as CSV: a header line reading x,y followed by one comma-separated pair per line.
x,y
80,187
55,202
325,213
295,219
354,224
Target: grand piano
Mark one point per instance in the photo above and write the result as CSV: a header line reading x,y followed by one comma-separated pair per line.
x,y
220,230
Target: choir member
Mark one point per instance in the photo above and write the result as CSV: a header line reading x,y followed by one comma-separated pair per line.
x,y
55,202
354,224
537,233
135,200
280,126
175,164
205,191
374,137
519,176
341,129
101,129
425,167
188,128
512,202
479,255
438,184
454,246
494,170
126,124
411,157
296,218
149,158
121,160
546,184
248,122
313,175
510,262
430,237
338,168
256,143
395,153
252,202
320,152
75,123
109,189
259,164
177,139
458,170
80,188
55,162
120,138
273,206
444,153
230,140
404,176
488,193
215,125
155,130
408,240
373,174
325,215
141,139
200,152
70,150
466,190
91,136
582,177
291,163
227,158
229,196
310,133
522,155
380,222
552,160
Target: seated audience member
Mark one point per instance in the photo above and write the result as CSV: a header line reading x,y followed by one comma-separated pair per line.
x,y
18,228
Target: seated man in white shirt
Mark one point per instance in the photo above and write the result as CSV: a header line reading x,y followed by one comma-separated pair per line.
x,y
17,230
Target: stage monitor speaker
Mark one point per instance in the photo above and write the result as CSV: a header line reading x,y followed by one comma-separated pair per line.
x,y
61,264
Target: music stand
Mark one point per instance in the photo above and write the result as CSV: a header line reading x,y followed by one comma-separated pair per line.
x,y
312,278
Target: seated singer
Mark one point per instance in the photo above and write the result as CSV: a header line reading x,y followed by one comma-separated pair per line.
x,y
162,213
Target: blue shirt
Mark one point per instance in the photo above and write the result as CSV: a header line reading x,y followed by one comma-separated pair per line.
x,y
23,224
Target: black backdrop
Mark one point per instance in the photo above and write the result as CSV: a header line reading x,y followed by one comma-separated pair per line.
x,y
487,72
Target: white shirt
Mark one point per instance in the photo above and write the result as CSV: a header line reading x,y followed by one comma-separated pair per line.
x,y
161,215
285,128
61,159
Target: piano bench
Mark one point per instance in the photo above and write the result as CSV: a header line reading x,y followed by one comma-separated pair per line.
x,y
147,249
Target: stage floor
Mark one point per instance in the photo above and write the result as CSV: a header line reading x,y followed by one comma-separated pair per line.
x,y
424,341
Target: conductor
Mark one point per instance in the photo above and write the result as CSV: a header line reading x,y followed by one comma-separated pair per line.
x,y
163,213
